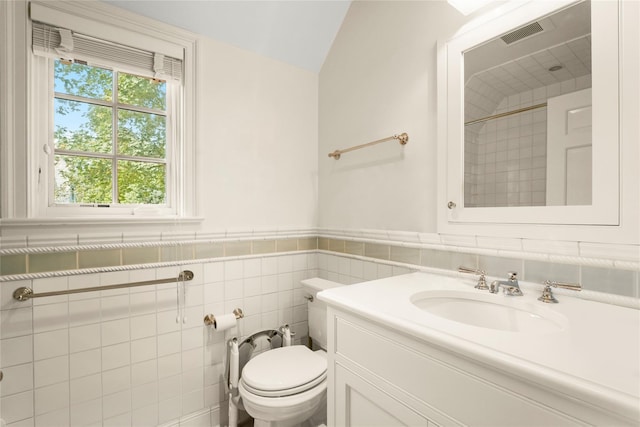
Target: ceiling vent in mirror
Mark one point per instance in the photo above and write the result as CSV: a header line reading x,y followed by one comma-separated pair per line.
x,y
522,33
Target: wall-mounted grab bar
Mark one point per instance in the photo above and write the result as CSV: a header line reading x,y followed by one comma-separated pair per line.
x,y
24,293
403,138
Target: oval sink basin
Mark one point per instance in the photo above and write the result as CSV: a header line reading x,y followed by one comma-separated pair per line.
x,y
489,311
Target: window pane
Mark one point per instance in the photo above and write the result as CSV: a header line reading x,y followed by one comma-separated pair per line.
x,y
141,134
82,180
141,182
83,80
142,91
82,127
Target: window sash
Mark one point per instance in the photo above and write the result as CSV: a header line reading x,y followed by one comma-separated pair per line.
x,y
173,90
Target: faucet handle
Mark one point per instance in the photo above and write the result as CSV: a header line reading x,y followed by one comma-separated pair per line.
x,y
547,294
512,275
482,282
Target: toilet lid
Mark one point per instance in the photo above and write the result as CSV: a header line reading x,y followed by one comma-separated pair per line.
x,y
284,371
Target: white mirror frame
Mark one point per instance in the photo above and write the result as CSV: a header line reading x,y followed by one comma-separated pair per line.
x,y
564,222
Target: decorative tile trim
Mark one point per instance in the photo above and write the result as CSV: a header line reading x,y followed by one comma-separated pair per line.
x,y
24,261
470,245
110,269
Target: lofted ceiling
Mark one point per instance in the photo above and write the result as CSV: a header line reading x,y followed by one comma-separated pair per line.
x,y
298,32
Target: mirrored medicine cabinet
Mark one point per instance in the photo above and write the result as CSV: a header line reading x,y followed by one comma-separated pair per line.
x,y
529,116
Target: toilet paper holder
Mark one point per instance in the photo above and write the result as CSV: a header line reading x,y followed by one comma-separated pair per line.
x,y
210,319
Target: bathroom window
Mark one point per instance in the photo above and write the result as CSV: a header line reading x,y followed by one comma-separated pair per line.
x,y
110,138
111,118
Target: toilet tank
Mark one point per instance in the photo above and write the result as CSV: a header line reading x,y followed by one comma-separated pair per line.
x,y
317,310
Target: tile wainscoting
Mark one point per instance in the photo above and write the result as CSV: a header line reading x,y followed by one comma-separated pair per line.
x,y
120,358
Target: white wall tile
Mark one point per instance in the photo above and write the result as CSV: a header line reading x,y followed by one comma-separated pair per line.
x,y
86,413
169,365
116,380
84,312
50,344
168,343
192,380
115,332
192,402
285,281
214,293
17,407
144,395
16,351
51,371
59,417
115,356
285,264
16,322
51,398
142,302
116,404
144,372
145,417
17,379
169,409
233,289
299,262
114,307
84,337
269,284
144,349
194,295
252,267
252,286
85,363
169,387
167,299
252,305
193,358
233,270
192,338
143,326
50,317
166,321
85,388
122,420
214,272
193,317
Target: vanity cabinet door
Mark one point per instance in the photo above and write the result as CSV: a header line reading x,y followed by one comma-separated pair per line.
x,y
360,403
381,378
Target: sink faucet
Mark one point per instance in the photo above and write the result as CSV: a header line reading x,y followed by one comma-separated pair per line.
x,y
509,287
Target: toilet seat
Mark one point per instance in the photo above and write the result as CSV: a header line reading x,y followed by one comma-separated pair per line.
x,y
284,371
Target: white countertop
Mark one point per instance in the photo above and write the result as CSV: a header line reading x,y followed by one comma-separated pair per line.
x,y
595,357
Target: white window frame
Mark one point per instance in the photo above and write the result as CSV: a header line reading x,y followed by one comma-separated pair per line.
x,y
43,82
25,193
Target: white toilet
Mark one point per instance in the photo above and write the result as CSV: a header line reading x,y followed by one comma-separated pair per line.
x,y
286,386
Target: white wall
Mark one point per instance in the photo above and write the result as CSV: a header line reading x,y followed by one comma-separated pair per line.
x,y
256,142
379,79
257,138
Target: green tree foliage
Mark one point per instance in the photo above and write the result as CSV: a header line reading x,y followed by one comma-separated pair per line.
x,y
83,126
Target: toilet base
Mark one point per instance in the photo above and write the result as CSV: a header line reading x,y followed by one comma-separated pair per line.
x,y
318,419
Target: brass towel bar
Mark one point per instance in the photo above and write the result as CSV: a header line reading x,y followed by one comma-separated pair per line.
x,y
403,138
24,293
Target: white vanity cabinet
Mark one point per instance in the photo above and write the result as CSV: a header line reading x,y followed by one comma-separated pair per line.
x,y
381,377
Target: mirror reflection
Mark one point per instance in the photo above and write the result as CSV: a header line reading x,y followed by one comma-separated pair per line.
x,y
527,108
